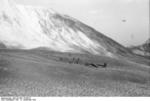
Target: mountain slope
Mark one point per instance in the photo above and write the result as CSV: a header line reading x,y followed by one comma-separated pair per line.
x,y
143,49
2,46
27,27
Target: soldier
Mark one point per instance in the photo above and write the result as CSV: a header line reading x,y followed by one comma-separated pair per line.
x,y
105,65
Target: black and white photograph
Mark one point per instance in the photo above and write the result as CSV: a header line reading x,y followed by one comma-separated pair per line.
x,y
74,48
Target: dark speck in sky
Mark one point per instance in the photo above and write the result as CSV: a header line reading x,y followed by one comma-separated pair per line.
x,y
124,20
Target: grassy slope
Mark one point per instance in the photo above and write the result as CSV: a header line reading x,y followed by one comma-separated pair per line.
x,y
38,73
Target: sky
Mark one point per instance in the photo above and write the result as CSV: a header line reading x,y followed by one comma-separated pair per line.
x,y
125,21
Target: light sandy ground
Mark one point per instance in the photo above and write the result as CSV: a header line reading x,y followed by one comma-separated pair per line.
x,y
27,74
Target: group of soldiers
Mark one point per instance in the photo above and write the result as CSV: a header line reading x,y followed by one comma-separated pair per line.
x,y
78,61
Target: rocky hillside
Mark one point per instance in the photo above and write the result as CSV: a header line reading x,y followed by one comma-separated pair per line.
x,y
28,27
143,49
